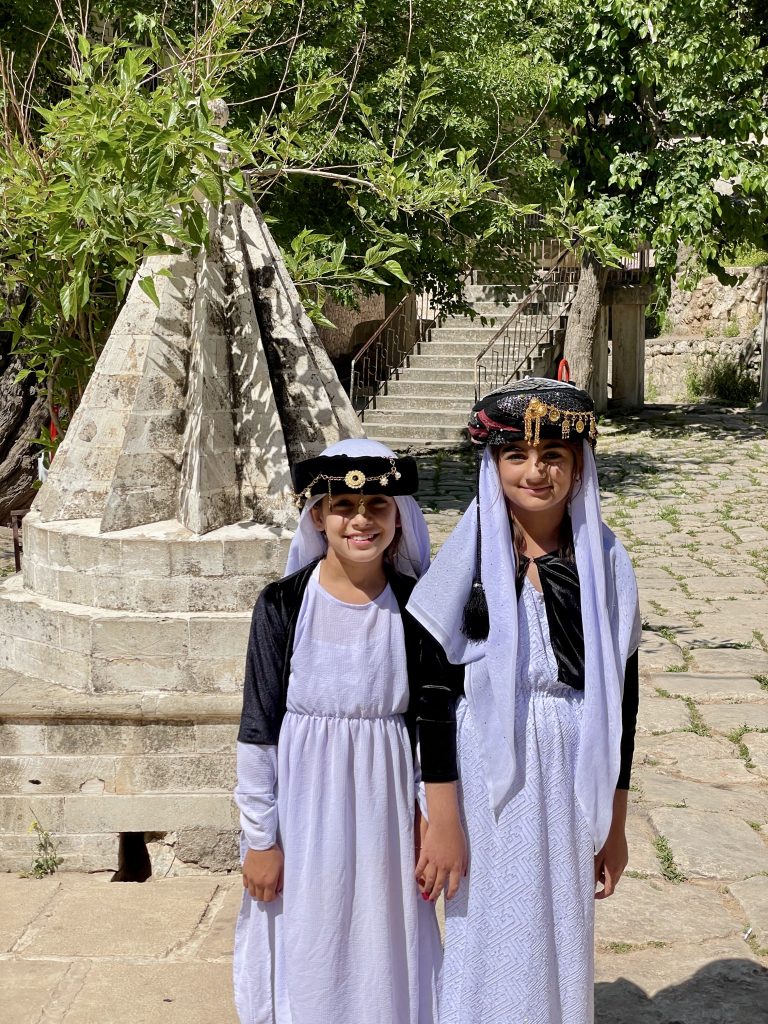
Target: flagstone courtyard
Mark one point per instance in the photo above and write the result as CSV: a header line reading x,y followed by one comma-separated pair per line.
x,y
685,939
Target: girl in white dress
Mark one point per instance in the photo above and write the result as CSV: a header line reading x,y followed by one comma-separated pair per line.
x,y
340,684
537,598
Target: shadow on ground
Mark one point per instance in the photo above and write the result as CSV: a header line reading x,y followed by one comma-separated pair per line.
x,y
723,992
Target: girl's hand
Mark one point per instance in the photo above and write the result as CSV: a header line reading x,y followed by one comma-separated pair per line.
x,y
613,858
263,873
443,858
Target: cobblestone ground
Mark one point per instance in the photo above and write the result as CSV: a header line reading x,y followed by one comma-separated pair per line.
x,y
685,939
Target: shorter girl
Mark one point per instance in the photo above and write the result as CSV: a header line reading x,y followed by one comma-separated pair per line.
x,y
332,927
548,632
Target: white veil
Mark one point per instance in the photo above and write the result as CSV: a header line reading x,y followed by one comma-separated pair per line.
x,y
611,622
412,557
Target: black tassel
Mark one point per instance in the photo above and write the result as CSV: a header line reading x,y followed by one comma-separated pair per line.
x,y
475,623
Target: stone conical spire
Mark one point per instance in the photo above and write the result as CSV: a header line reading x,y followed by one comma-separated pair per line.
x,y
198,406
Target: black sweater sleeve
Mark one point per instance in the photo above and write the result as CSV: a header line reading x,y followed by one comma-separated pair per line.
x,y
629,706
437,688
263,696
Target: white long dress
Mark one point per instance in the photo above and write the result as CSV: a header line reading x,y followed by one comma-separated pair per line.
x,y
350,941
519,934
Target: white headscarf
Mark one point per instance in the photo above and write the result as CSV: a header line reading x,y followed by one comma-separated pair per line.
x,y
611,621
412,557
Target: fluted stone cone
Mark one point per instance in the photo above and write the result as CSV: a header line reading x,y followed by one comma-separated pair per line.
x,y
166,511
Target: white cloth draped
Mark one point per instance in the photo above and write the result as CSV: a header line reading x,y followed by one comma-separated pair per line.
x,y
413,552
611,621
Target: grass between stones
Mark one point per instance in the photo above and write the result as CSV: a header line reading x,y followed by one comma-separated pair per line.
x,y
698,725
669,869
631,947
763,680
737,738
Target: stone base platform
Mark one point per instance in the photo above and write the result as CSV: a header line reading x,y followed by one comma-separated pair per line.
x,y
91,766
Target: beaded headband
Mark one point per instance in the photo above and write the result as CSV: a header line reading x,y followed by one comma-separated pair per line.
x,y
530,409
338,474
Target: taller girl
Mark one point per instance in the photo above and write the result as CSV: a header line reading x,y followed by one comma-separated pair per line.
x,y
536,596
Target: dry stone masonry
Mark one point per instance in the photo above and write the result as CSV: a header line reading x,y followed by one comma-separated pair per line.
x,y
166,510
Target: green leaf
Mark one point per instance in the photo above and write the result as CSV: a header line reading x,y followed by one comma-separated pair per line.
x,y
147,285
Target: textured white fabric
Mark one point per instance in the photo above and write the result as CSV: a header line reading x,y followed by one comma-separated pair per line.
x,y
350,941
412,558
255,794
611,620
519,934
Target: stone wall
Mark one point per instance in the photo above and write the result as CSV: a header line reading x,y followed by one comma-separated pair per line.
x,y
353,326
669,360
711,306
712,321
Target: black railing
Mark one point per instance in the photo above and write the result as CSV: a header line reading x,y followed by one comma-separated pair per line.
x,y
382,356
533,333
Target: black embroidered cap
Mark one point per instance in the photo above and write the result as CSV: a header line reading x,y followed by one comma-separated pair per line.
x,y
366,474
531,409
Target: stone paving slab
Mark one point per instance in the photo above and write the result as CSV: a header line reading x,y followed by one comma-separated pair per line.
x,y
656,653
727,660
199,993
708,759
659,714
710,688
757,745
642,855
725,718
747,802
689,915
718,982
717,846
131,919
22,902
28,988
752,895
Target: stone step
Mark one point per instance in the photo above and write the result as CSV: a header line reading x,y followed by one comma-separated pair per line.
x,y
449,418
475,335
95,649
401,431
90,766
42,775
441,403
495,318
494,292
428,374
411,385
427,361
469,349
500,310
156,812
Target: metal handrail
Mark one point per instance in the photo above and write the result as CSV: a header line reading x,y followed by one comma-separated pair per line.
x,y
542,331
384,352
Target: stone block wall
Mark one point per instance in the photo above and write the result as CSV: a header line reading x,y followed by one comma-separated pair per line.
x,y
713,321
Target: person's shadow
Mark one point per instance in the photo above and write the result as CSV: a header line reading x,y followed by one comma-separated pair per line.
x,y
724,992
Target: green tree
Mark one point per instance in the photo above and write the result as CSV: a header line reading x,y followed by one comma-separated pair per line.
x,y
660,110
123,162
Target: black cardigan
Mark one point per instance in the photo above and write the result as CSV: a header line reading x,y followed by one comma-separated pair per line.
x,y
433,682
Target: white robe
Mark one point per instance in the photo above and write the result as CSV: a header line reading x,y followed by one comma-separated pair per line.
x,y
350,941
519,933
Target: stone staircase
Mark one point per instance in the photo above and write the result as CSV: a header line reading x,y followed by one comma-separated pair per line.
x,y
427,401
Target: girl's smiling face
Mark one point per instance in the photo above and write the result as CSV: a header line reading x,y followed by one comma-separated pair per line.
x,y
537,479
359,527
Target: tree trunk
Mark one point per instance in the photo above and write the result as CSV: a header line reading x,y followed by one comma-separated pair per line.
x,y
22,414
582,336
